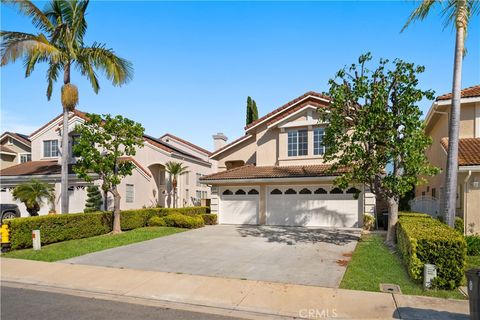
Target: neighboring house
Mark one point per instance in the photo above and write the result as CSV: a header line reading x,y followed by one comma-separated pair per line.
x,y
14,149
275,174
149,185
468,180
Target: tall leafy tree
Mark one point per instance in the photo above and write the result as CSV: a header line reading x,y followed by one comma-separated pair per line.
x,y
104,147
59,42
249,111
254,111
458,13
375,135
33,194
175,169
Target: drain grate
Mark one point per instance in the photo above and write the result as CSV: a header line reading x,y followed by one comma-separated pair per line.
x,y
390,288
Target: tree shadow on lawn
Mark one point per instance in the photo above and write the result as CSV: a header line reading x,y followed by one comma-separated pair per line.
x,y
409,313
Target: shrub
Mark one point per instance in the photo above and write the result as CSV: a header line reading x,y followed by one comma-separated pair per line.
x,y
473,245
368,222
209,218
410,214
179,220
424,240
190,211
94,199
156,221
459,225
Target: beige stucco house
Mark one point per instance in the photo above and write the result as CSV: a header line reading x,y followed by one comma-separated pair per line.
x,y
147,186
14,149
275,174
468,181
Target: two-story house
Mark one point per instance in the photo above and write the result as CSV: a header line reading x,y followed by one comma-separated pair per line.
x,y
14,149
276,175
468,180
149,185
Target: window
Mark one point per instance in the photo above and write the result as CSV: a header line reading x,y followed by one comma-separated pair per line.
x,y
240,191
290,191
199,194
50,148
227,193
253,191
297,143
320,191
336,191
318,147
25,157
75,139
198,176
129,194
353,190
276,191
305,191
434,193
204,195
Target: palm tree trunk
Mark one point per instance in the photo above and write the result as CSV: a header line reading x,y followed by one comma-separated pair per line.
x,y
65,153
452,158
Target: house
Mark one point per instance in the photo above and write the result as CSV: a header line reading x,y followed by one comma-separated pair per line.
x,y
14,149
275,173
468,180
149,185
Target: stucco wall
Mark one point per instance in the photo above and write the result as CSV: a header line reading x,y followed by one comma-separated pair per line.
x,y
17,147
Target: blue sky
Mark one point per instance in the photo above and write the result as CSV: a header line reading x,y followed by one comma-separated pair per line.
x,y
196,62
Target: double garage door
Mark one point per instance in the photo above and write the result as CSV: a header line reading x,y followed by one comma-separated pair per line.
x,y
310,206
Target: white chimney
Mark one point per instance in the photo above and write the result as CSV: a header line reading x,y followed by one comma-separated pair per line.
x,y
219,140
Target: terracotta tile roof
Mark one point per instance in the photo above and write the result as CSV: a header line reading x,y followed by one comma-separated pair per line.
x,y
285,106
469,92
254,172
19,136
75,112
170,149
6,149
34,168
468,151
295,109
137,164
186,142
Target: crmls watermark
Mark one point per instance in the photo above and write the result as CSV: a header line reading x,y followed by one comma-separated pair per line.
x,y
318,313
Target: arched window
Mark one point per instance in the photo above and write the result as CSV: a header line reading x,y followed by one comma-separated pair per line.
x,y
276,191
290,191
353,190
305,191
240,191
253,191
227,192
336,191
320,191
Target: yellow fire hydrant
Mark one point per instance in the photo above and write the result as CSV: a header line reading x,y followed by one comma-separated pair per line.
x,y
4,232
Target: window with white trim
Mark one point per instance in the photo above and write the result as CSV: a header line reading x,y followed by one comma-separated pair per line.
x,y
199,194
129,193
25,157
50,148
318,146
297,143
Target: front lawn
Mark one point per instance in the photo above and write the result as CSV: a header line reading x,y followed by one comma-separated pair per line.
x,y
73,248
373,263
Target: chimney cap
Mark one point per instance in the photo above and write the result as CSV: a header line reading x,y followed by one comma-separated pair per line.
x,y
220,136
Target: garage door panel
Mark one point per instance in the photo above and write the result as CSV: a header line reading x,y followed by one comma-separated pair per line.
x,y
239,207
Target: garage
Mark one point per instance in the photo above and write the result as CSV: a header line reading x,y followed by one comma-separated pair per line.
x,y
312,206
239,205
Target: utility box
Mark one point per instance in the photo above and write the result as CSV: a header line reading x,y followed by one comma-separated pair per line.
x,y
473,287
429,273
37,245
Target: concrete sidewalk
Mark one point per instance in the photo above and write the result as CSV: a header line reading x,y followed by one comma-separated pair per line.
x,y
234,296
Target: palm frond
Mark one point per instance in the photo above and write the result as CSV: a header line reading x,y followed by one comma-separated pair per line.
x,y
420,13
26,7
52,76
87,70
18,44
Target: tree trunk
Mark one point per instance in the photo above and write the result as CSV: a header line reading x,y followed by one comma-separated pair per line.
x,y
65,151
105,200
116,211
174,192
392,221
450,196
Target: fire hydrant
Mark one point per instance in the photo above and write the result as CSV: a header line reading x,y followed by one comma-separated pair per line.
x,y
4,232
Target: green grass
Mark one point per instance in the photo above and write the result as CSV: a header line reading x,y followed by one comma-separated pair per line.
x,y
373,263
473,262
74,248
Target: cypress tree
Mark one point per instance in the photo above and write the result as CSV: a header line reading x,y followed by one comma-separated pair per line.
x,y
254,111
249,111
94,199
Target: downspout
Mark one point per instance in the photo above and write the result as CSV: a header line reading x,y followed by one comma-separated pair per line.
x,y
465,191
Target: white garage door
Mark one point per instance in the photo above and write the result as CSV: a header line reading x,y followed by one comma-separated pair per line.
x,y
238,205
312,206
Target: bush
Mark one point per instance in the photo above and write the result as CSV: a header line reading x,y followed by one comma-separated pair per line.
x,y
368,222
132,219
209,218
424,240
459,225
156,222
410,214
473,245
179,220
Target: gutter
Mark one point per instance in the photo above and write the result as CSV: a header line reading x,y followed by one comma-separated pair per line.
x,y
266,180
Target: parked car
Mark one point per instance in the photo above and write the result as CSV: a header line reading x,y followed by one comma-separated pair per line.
x,y
9,211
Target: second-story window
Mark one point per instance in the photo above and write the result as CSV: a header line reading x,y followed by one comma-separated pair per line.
x,y
297,143
25,157
75,140
50,148
318,146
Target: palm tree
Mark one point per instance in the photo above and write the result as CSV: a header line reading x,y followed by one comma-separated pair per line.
x,y
457,12
175,169
32,194
59,43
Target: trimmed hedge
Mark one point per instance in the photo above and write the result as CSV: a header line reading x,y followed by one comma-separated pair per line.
x,y
459,225
179,220
62,227
424,240
209,218
413,214
156,222
473,245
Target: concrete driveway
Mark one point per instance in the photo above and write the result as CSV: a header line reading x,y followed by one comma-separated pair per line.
x,y
310,256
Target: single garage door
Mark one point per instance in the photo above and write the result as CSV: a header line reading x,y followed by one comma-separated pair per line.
x,y
312,206
239,205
